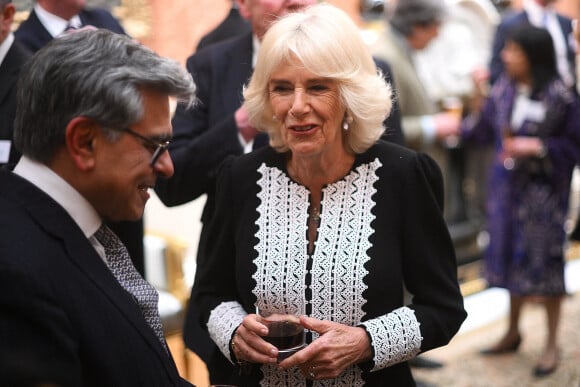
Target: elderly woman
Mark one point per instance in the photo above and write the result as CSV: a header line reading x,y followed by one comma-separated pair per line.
x,y
328,221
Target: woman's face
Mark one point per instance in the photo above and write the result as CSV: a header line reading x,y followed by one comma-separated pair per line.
x,y
309,110
515,62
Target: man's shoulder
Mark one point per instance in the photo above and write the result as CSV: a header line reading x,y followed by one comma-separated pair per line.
x,y
31,33
513,19
238,46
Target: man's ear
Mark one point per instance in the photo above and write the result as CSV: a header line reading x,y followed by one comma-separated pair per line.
x,y
81,138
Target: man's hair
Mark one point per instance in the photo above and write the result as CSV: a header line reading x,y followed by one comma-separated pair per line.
x,y
406,14
95,74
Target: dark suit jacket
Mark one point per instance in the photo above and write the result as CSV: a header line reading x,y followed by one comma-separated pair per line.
x,y
15,58
65,319
233,25
517,19
202,138
34,36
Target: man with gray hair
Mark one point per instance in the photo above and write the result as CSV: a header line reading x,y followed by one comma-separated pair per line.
x,y
93,124
12,57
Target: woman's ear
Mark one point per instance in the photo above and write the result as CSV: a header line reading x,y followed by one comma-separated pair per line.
x,y
81,139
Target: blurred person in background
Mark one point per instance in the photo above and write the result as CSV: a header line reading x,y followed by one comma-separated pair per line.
x,y
539,13
531,117
12,57
50,18
92,122
412,25
328,221
233,25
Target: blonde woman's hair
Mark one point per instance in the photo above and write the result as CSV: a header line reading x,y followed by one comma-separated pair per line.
x,y
327,43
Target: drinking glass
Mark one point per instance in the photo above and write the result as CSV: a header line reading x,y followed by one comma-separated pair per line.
x,y
454,106
284,332
508,163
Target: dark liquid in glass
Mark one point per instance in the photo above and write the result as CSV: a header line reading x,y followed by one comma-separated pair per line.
x,y
285,334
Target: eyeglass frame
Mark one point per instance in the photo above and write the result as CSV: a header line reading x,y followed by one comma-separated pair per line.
x,y
158,147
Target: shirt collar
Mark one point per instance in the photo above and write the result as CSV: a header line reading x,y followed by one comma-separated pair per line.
x,y
62,192
256,47
536,12
55,25
5,46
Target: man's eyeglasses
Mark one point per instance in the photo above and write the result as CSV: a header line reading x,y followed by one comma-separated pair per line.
x,y
156,147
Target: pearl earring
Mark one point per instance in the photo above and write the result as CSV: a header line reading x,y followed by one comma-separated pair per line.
x,y
346,123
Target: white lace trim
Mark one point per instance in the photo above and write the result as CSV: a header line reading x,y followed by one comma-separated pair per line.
x,y
274,377
396,337
223,320
338,263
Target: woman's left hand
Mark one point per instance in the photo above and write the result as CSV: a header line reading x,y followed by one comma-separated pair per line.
x,y
338,347
522,146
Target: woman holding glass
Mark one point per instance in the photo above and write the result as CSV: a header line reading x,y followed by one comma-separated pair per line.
x,y
532,119
328,222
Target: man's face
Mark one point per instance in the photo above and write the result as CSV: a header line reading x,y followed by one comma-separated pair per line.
x,y
262,13
123,170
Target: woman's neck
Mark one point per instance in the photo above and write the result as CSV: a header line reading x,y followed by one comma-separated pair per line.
x,y
316,172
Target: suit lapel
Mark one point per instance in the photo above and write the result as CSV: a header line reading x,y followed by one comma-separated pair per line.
x,y
37,32
56,221
237,71
10,67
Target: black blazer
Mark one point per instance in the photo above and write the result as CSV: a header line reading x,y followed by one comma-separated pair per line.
x,y
10,67
32,34
406,242
233,25
65,319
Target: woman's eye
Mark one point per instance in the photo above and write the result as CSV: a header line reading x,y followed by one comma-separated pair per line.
x,y
280,89
318,88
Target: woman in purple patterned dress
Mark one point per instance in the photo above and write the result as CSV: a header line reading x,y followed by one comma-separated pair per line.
x,y
533,121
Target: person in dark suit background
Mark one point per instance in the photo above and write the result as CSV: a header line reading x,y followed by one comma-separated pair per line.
x,y
217,127
233,25
92,121
539,13
49,19
12,57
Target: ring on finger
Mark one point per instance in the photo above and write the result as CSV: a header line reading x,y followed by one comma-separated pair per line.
x,y
311,372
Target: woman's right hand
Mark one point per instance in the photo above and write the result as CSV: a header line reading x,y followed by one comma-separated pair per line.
x,y
248,344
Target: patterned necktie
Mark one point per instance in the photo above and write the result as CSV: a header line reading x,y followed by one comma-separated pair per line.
x,y
120,264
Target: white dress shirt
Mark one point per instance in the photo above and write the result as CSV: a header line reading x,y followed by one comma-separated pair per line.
x,y
546,17
55,25
80,210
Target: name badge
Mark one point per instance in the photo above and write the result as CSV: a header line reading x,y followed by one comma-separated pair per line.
x,y
536,111
4,151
